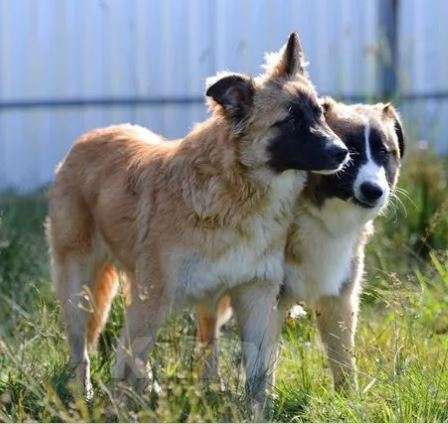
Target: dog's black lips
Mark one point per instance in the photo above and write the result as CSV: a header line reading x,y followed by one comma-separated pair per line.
x,y
363,204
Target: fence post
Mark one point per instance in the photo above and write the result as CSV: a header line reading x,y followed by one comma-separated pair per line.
x,y
388,54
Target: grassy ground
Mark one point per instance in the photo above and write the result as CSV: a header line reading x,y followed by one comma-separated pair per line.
x,y
402,343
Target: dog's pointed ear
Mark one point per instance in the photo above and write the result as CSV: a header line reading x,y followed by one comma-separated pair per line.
x,y
289,61
390,112
233,92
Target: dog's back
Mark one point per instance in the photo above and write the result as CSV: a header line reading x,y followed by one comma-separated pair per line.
x,y
99,177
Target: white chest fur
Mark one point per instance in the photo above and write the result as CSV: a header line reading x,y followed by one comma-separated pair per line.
x,y
327,241
196,276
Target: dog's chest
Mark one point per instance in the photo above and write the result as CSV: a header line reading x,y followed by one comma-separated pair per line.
x,y
324,260
255,250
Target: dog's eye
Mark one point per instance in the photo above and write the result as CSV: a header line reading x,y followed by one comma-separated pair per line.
x,y
289,120
384,150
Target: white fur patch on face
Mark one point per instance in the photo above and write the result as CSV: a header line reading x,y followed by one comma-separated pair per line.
x,y
371,172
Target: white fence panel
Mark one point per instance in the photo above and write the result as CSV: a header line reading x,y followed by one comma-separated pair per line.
x,y
103,49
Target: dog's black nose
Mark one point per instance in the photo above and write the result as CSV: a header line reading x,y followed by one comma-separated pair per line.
x,y
371,192
338,153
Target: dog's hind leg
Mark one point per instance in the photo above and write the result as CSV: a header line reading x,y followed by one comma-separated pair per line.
x,y
74,276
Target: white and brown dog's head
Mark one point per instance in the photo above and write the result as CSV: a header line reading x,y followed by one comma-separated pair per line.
x,y
275,120
374,136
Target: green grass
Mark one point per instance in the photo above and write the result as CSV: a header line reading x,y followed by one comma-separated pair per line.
x,y
402,342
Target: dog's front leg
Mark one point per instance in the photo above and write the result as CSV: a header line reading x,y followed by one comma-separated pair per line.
x,y
336,319
255,307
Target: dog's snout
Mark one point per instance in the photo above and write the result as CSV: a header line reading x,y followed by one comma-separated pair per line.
x,y
371,192
338,153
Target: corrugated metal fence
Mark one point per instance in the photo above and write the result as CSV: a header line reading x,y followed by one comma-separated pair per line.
x,y
67,66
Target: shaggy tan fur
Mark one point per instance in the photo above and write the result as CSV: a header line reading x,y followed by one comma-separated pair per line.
x,y
185,220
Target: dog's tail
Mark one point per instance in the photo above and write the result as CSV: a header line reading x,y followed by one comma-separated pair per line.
x,y
103,292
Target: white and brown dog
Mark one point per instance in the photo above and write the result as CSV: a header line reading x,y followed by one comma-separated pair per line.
x,y
324,258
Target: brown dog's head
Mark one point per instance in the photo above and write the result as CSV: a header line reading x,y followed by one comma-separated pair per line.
x,y
276,118
374,136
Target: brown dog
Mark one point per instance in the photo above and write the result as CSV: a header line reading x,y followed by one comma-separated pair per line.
x,y
324,259
191,219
